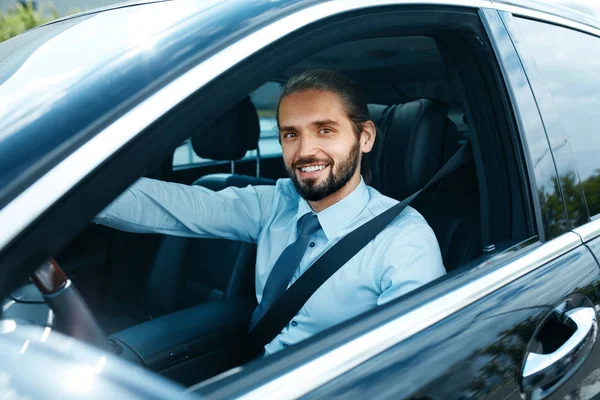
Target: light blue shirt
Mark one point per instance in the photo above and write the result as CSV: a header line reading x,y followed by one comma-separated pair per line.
x,y
404,256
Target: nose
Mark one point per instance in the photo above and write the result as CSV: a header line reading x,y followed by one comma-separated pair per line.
x,y
308,146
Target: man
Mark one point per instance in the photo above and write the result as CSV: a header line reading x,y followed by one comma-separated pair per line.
x,y
324,129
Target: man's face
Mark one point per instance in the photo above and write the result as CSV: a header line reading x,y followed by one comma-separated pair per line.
x,y
320,149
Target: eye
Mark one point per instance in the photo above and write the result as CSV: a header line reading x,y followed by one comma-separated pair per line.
x,y
325,131
289,135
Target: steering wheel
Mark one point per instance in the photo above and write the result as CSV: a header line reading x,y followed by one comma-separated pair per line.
x,y
68,305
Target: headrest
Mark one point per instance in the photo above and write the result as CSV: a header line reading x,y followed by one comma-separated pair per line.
x,y
409,145
231,135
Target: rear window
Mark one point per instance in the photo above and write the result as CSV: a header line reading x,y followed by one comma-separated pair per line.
x,y
567,63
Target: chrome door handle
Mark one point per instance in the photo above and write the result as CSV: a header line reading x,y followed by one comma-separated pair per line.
x,y
541,370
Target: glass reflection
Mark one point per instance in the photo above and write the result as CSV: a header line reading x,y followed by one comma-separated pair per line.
x,y
79,380
536,142
45,334
25,347
7,326
55,56
100,365
567,63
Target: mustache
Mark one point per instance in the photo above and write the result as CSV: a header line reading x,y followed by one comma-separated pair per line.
x,y
311,160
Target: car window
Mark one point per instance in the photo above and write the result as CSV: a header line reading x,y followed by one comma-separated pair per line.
x,y
568,63
265,100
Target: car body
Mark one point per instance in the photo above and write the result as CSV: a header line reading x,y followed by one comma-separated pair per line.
x,y
90,103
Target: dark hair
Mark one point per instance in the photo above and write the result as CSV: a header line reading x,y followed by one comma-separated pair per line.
x,y
334,82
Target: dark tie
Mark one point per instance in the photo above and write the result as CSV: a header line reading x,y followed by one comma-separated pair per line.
x,y
284,268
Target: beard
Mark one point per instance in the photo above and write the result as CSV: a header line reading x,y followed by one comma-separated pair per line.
x,y
338,177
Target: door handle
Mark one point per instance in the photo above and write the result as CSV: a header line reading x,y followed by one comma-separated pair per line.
x,y
543,370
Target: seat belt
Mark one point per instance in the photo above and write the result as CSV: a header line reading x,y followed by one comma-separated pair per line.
x,y
294,298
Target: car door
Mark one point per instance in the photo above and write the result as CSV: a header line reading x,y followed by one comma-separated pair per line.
x,y
468,335
567,94
489,349
521,324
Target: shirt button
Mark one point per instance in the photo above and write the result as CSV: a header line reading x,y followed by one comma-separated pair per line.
x,y
294,323
285,345
312,244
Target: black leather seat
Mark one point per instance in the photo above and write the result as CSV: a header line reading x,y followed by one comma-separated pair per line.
x,y
414,141
189,271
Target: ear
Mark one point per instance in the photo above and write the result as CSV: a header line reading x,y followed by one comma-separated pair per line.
x,y
367,136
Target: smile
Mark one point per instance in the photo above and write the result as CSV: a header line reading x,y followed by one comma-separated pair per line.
x,y
313,168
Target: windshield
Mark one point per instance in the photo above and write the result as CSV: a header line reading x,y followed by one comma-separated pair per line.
x,y
55,56
60,84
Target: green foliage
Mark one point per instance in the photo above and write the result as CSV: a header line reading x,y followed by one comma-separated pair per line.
x,y
591,188
553,208
20,18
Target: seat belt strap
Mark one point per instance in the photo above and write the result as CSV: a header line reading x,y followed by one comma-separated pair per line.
x,y
294,298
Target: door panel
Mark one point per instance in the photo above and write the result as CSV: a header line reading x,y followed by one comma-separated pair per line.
x,y
478,352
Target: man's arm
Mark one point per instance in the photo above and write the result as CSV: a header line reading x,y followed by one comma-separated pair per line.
x,y
151,206
411,259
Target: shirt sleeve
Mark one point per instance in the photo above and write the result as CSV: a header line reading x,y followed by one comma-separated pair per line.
x,y
411,259
151,206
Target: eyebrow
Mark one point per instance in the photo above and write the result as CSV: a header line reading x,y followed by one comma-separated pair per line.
x,y
325,122
314,123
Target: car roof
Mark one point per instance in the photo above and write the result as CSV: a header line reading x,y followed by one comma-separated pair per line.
x,y
61,81
586,12
108,7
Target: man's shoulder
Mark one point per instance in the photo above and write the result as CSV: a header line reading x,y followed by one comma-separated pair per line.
x,y
408,222
409,219
380,203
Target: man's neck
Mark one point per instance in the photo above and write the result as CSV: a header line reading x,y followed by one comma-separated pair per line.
x,y
318,206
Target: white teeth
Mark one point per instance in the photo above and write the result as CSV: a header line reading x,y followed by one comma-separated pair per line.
x,y
313,168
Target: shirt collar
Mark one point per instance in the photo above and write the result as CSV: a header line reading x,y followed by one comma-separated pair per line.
x,y
335,218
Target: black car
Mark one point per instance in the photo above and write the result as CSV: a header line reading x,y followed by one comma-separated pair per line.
x,y
92,102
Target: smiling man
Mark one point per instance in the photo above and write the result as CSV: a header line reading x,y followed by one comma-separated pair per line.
x,y
324,129
321,146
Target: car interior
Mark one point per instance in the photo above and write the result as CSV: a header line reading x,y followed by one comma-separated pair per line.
x,y
427,96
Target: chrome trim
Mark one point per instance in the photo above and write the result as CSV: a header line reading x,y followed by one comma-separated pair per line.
x,y
336,362
38,197
546,17
589,231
